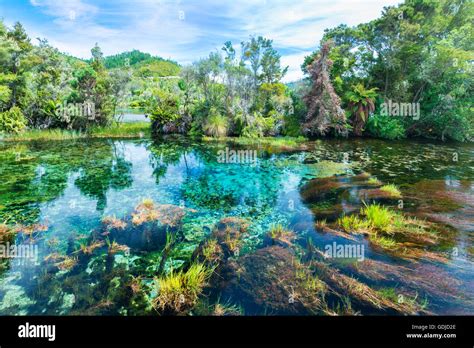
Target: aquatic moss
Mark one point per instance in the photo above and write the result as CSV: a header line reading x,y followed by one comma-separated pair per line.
x,y
327,168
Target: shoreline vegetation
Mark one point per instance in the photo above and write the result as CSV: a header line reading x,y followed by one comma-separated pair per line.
x,y
376,79
118,130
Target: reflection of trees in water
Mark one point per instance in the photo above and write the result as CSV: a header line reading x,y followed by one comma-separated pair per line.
x,y
107,170
38,172
202,187
175,150
163,154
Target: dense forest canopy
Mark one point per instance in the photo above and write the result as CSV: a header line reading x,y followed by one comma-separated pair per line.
x,y
407,73
419,52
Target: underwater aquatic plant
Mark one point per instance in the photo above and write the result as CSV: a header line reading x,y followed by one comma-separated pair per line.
x,y
31,230
67,264
179,291
113,222
229,232
54,257
166,214
136,284
115,247
89,249
211,250
53,242
391,189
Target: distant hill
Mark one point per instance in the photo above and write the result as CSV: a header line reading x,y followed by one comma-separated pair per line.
x,y
132,57
142,61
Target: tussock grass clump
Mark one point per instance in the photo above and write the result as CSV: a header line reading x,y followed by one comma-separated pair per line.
x,y
392,190
205,308
179,291
321,223
383,242
351,223
411,302
280,233
374,181
393,231
147,203
378,217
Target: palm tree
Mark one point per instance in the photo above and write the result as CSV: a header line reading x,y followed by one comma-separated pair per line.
x,y
361,103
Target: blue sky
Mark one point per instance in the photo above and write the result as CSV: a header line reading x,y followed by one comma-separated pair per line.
x,y
186,30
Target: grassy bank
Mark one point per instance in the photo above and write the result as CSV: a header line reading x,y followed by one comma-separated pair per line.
x,y
281,142
119,130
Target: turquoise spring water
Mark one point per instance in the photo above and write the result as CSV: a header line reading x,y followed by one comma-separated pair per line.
x,y
70,186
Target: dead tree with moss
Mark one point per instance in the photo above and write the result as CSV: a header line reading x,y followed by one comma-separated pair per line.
x,y
324,105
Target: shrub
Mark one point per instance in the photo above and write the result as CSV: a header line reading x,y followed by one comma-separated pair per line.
x,y
12,121
386,127
216,125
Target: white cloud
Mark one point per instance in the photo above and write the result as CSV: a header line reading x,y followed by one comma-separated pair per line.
x,y
154,26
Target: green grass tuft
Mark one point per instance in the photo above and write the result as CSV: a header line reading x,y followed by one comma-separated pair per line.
x,y
378,217
179,291
351,223
374,181
392,190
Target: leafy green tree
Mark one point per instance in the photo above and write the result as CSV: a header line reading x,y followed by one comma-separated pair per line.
x,y
417,52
